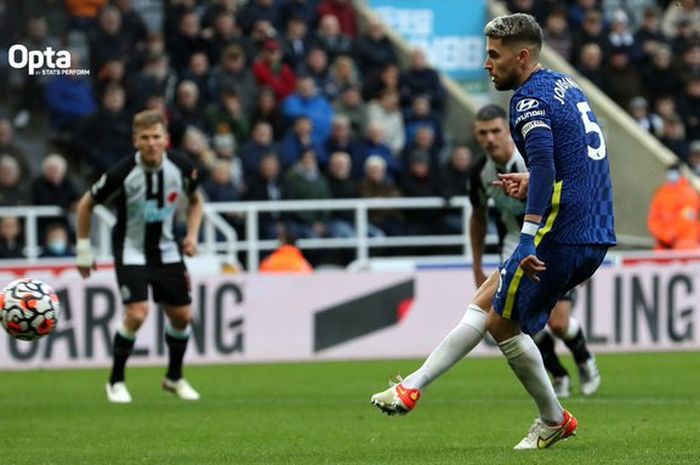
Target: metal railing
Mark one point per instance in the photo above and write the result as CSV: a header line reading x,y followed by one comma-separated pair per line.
x,y
30,215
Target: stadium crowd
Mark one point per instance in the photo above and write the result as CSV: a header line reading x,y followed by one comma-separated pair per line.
x,y
292,99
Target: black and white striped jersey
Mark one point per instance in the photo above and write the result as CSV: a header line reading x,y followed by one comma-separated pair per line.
x,y
507,211
146,201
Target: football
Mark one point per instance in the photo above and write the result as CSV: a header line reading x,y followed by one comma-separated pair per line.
x,y
30,309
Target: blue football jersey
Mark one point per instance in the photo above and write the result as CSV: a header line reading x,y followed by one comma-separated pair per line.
x,y
581,208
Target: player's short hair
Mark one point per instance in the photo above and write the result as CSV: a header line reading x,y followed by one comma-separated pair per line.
x,y
148,118
515,29
491,112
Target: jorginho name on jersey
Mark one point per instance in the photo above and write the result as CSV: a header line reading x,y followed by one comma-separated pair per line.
x,y
146,203
581,208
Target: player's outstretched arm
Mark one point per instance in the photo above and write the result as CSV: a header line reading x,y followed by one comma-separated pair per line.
x,y
514,184
84,260
194,221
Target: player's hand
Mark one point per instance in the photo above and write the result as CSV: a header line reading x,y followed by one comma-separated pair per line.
x,y
513,184
479,276
84,259
526,254
189,245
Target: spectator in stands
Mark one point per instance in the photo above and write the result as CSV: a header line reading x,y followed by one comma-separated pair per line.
x,y
634,9
623,80
227,116
12,191
297,43
425,142
661,75
580,11
156,78
68,98
265,185
173,12
384,222
373,49
225,33
270,71
297,140
373,145
341,138
665,106
649,37
386,113
56,242
224,146
673,136
591,32
351,105
84,13
419,115
113,73
54,188
343,11
537,8
108,40
694,157
386,79
689,107
557,33
220,188
133,25
421,79
674,212
267,111
330,37
233,72
418,180
195,146
187,41
9,148
590,65
300,10
317,68
260,10
650,122
342,73
620,35
342,186
198,72
186,111
304,181
454,182
263,33
684,14
306,101
106,134
252,152
690,66
286,259
11,243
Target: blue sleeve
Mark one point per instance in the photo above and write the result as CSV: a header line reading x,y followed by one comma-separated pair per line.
x,y
540,153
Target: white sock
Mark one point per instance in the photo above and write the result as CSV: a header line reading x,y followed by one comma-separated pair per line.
x,y
572,330
458,343
526,362
126,333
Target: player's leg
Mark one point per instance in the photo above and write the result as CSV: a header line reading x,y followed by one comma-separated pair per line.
x,y
402,397
134,292
546,342
171,288
568,329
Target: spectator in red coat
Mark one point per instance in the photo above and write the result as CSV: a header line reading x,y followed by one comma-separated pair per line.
x,y
344,11
271,72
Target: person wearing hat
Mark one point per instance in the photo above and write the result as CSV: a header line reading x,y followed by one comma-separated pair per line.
x,y
270,71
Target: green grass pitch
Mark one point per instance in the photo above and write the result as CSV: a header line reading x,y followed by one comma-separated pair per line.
x,y
646,412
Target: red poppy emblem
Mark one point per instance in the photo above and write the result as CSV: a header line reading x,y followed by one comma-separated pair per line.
x,y
172,197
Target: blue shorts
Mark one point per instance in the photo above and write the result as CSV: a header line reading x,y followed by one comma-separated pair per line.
x,y
530,303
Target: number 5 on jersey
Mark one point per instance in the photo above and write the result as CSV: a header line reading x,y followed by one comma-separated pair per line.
x,y
596,153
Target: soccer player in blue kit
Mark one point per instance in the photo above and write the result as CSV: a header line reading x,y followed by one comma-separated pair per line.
x,y
567,231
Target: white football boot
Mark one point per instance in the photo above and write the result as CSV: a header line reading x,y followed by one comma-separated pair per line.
x,y
562,386
180,388
118,393
541,435
589,376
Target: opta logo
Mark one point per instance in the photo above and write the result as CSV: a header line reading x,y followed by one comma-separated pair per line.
x,y
20,57
527,104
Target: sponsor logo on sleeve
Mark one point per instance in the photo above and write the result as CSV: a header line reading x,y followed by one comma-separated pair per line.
x,y
532,125
527,104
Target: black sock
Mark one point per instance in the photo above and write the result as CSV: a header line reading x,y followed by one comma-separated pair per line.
x,y
551,361
122,350
578,348
176,348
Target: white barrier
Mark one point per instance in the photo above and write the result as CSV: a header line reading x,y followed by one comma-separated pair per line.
x,y
340,315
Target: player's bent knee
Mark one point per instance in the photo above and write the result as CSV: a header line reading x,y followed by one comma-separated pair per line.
x,y
179,317
135,315
500,328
